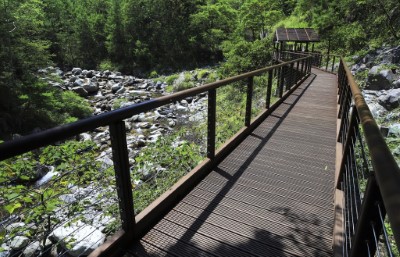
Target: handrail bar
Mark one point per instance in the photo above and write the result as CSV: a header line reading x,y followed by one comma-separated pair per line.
x,y
386,170
312,53
30,142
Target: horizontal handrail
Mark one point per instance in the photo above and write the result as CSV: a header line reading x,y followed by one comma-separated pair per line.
x,y
27,143
285,77
371,192
322,61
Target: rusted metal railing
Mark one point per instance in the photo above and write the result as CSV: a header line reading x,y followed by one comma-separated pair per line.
x,y
369,177
284,76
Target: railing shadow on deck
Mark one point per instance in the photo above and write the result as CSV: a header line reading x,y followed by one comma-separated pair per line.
x,y
287,77
260,235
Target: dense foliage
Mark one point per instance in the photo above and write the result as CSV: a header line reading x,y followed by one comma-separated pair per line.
x,y
140,36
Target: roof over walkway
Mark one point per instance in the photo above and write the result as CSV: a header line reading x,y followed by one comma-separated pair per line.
x,y
302,35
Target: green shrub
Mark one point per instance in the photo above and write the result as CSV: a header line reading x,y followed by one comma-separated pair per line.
x,y
171,79
118,102
75,106
167,165
153,74
107,65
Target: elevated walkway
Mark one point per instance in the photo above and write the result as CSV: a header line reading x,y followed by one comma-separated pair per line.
x,y
272,196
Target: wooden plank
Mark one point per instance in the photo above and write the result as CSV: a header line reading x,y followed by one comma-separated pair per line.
x,y
273,194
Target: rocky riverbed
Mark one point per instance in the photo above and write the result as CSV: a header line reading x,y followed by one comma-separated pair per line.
x,y
378,72
78,234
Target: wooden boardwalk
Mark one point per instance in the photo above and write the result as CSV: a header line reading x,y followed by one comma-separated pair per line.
x,y
272,196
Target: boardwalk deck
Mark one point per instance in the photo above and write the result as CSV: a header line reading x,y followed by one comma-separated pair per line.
x,y
272,196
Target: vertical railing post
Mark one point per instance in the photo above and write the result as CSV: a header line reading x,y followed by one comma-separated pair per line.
x,y
297,71
212,112
122,175
346,140
282,80
327,62
250,84
368,218
333,63
290,81
269,89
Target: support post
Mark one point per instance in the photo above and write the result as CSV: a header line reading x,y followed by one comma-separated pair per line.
x,y
269,89
122,175
369,216
212,112
282,80
250,84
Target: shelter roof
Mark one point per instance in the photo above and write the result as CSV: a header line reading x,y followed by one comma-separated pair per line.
x,y
296,35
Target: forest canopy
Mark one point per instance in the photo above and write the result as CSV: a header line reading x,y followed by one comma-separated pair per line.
x,y
141,36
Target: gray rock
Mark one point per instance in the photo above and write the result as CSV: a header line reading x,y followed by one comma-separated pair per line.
x,y
68,198
32,249
78,83
80,91
106,162
396,84
78,238
144,125
144,86
116,87
19,242
159,85
391,100
76,71
379,78
5,253
73,79
85,137
394,130
377,110
120,91
91,87
14,226
90,74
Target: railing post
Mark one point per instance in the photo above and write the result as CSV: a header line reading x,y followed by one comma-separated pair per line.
x,y
346,141
298,71
327,62
250,84
291,77
369,218
333,63
282,81
122,175
269,89
212,112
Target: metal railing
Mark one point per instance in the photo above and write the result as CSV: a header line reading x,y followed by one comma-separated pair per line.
x,y
283,78
369,177
326,62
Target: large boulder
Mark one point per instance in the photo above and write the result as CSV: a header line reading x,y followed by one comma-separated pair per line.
x,y
394,130
391,99
78,83
90,87
80,91
379,78
76,71
78,238
32,249
19,242
116,87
